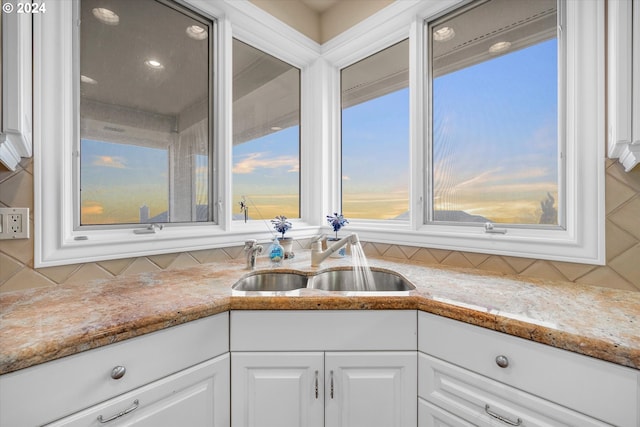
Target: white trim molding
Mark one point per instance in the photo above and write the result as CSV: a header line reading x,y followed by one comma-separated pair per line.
x,y
624,81
16,131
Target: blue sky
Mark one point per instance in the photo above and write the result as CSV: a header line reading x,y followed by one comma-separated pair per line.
x,y
495,151
375,145
267,171
495,135
375,157
116,179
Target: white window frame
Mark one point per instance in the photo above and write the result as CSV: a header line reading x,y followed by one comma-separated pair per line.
x,y
57,241
582,241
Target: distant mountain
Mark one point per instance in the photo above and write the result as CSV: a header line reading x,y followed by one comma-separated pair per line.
x,y
449,216
458,216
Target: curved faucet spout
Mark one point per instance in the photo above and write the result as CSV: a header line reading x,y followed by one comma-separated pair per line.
x,y
252,249
317,255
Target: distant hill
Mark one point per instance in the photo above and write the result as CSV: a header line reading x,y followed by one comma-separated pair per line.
x,y
449,216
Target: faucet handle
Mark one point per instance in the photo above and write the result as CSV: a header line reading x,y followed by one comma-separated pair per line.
x,y
316,246
248,244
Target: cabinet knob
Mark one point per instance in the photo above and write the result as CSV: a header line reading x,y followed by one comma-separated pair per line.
x,y
502,361
118,372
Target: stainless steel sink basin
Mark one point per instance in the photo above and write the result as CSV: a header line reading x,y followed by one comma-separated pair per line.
x,y
344,280
332,280
273,282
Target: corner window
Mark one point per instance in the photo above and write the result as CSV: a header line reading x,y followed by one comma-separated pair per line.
x,y
266,134
145,108
505,129
375,136
495,150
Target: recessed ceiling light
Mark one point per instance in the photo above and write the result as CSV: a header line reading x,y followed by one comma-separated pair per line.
x,y
499,47
89,80
196,32
107,16
153,63
444,34
276,128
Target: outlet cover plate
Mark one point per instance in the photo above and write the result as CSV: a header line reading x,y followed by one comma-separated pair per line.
x,y
15,223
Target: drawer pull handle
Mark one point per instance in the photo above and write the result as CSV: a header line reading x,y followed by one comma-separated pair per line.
x,y
130,409
502,361
118,372
316,384
331,376
502,418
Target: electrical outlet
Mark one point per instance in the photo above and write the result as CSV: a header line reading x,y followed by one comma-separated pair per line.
x,y
14,223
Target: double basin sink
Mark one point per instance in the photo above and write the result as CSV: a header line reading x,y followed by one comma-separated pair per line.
x,y
330,280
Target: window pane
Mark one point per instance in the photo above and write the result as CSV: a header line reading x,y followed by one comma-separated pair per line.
x,y
495,113
144,113
375,136
266,134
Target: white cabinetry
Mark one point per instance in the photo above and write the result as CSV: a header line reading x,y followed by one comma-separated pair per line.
x,y
194,397
168,371
336,368
16,69
370,389
277,389
623,63
474,376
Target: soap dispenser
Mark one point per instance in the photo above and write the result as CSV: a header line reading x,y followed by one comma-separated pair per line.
x,y
276,252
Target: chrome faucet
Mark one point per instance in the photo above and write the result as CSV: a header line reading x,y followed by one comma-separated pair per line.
x,y
252,249
317,255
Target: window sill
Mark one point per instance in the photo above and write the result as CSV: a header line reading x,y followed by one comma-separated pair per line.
x,y
548,244
99,245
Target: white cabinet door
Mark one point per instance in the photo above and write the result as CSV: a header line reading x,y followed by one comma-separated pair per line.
x,y
195,397
272,389
371,389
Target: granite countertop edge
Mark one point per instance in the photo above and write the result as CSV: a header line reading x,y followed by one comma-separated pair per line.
x,y
109,311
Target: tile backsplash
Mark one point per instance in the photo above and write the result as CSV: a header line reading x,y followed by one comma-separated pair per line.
x,y
622,246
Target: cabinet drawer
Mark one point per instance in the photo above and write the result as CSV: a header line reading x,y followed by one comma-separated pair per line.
x,y
194,397
430,415
602,390
482,401
323,330
69,384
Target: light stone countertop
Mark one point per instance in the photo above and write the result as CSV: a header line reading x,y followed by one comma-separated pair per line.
x,y
39,325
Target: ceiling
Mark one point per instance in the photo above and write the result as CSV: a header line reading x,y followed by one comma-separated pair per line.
x,y
319,5
113,55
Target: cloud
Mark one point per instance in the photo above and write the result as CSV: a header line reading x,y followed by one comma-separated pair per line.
x,y
92,208
484,177
497,177
258,161
109,162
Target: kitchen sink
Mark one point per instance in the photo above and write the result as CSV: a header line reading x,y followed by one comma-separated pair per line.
x,y
331,280
344,280
273,282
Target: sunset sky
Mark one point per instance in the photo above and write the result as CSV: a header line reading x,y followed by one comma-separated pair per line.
x,y
375,157
495,136
267,171
116,179
495,153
